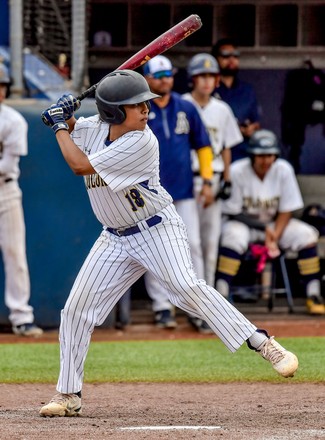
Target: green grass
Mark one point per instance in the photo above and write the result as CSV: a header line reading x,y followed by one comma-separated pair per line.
x,y
161,361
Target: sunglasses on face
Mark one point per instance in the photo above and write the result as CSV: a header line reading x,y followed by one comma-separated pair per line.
x,y
162,74
229,53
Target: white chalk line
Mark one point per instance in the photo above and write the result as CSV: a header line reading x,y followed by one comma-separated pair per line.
x,y
167,428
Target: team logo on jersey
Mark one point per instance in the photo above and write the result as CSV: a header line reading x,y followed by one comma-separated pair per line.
x,y
94,181
182,124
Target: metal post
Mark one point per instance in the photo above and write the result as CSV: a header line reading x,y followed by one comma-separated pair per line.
x,y
16,47
78,56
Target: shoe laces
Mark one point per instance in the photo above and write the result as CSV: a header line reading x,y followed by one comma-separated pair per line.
x,y
61,398
272,351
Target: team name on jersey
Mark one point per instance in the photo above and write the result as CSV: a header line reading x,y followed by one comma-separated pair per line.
x,y
94,181
249,202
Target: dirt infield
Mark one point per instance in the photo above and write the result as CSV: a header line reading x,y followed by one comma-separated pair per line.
x,y
170,411
237,411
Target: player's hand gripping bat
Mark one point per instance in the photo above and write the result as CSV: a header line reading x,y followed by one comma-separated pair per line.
x,y
162,43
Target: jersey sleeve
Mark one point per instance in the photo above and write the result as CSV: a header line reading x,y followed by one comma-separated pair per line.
x,y
234,205
232,134
130,159
15,140
291,198
198,135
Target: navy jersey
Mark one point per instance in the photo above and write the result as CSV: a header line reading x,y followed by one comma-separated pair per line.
x,y
242,100
179,128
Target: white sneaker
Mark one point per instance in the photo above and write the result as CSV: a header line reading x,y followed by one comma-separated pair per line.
x,y
283,361
62,405
27,330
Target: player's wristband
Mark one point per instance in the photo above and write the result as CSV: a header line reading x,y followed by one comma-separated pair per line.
x,y
207,182
60,126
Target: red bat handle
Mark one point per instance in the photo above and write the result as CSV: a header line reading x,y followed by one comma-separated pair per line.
x,y
162,43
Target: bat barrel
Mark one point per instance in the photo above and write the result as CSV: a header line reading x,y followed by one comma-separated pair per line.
x,y
162,43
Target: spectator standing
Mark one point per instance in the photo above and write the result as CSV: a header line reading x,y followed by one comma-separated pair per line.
x,y
13,144
238,94
203,71
264,194
179,129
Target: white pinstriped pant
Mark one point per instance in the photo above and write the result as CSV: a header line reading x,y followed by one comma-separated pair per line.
x,y
113,265
13,248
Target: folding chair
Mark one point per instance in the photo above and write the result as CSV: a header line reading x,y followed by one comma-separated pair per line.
x,y
264,284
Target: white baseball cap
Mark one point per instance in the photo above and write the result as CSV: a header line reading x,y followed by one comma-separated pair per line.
x,y
158,65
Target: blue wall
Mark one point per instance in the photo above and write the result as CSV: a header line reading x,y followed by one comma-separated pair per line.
x,y
60,225
269,86
4,23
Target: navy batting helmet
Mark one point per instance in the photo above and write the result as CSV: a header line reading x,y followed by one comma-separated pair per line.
x,y
263,142
118,88
202,63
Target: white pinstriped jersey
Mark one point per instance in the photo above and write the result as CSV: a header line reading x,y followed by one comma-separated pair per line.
x,y
222,128
126,188
263,199
13,141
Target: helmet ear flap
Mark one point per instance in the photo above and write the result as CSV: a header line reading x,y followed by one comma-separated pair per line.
x,y
120,115
113,114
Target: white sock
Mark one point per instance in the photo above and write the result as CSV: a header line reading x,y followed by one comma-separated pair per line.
x,y
223,288
257,339
313,288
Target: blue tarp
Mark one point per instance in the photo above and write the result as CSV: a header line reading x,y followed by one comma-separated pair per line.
x,y
42,81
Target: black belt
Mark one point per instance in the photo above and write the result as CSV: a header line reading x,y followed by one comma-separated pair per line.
x,y
8,180
134,229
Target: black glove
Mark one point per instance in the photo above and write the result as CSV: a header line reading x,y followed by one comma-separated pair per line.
x,y
69,104
54,118
224,192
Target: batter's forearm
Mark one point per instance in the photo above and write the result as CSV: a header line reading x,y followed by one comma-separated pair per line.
x,y
75,158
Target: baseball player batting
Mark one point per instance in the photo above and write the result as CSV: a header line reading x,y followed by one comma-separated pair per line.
x,y
118,155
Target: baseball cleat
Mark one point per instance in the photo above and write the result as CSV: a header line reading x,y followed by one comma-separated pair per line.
x,y
62,405
165,319
315,305
200,325
27,330
282,360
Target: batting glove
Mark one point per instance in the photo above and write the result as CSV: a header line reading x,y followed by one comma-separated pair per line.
x,y
69,104
224,191
54,118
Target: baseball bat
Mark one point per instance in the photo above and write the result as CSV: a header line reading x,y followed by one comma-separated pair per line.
x,y
165,41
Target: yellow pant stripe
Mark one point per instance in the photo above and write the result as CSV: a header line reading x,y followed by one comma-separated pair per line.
x,y
309,266
229,266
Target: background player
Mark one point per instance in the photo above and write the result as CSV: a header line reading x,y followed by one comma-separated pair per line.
x,y
13,144
180,131
118,155
265,192
203,71
238,94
